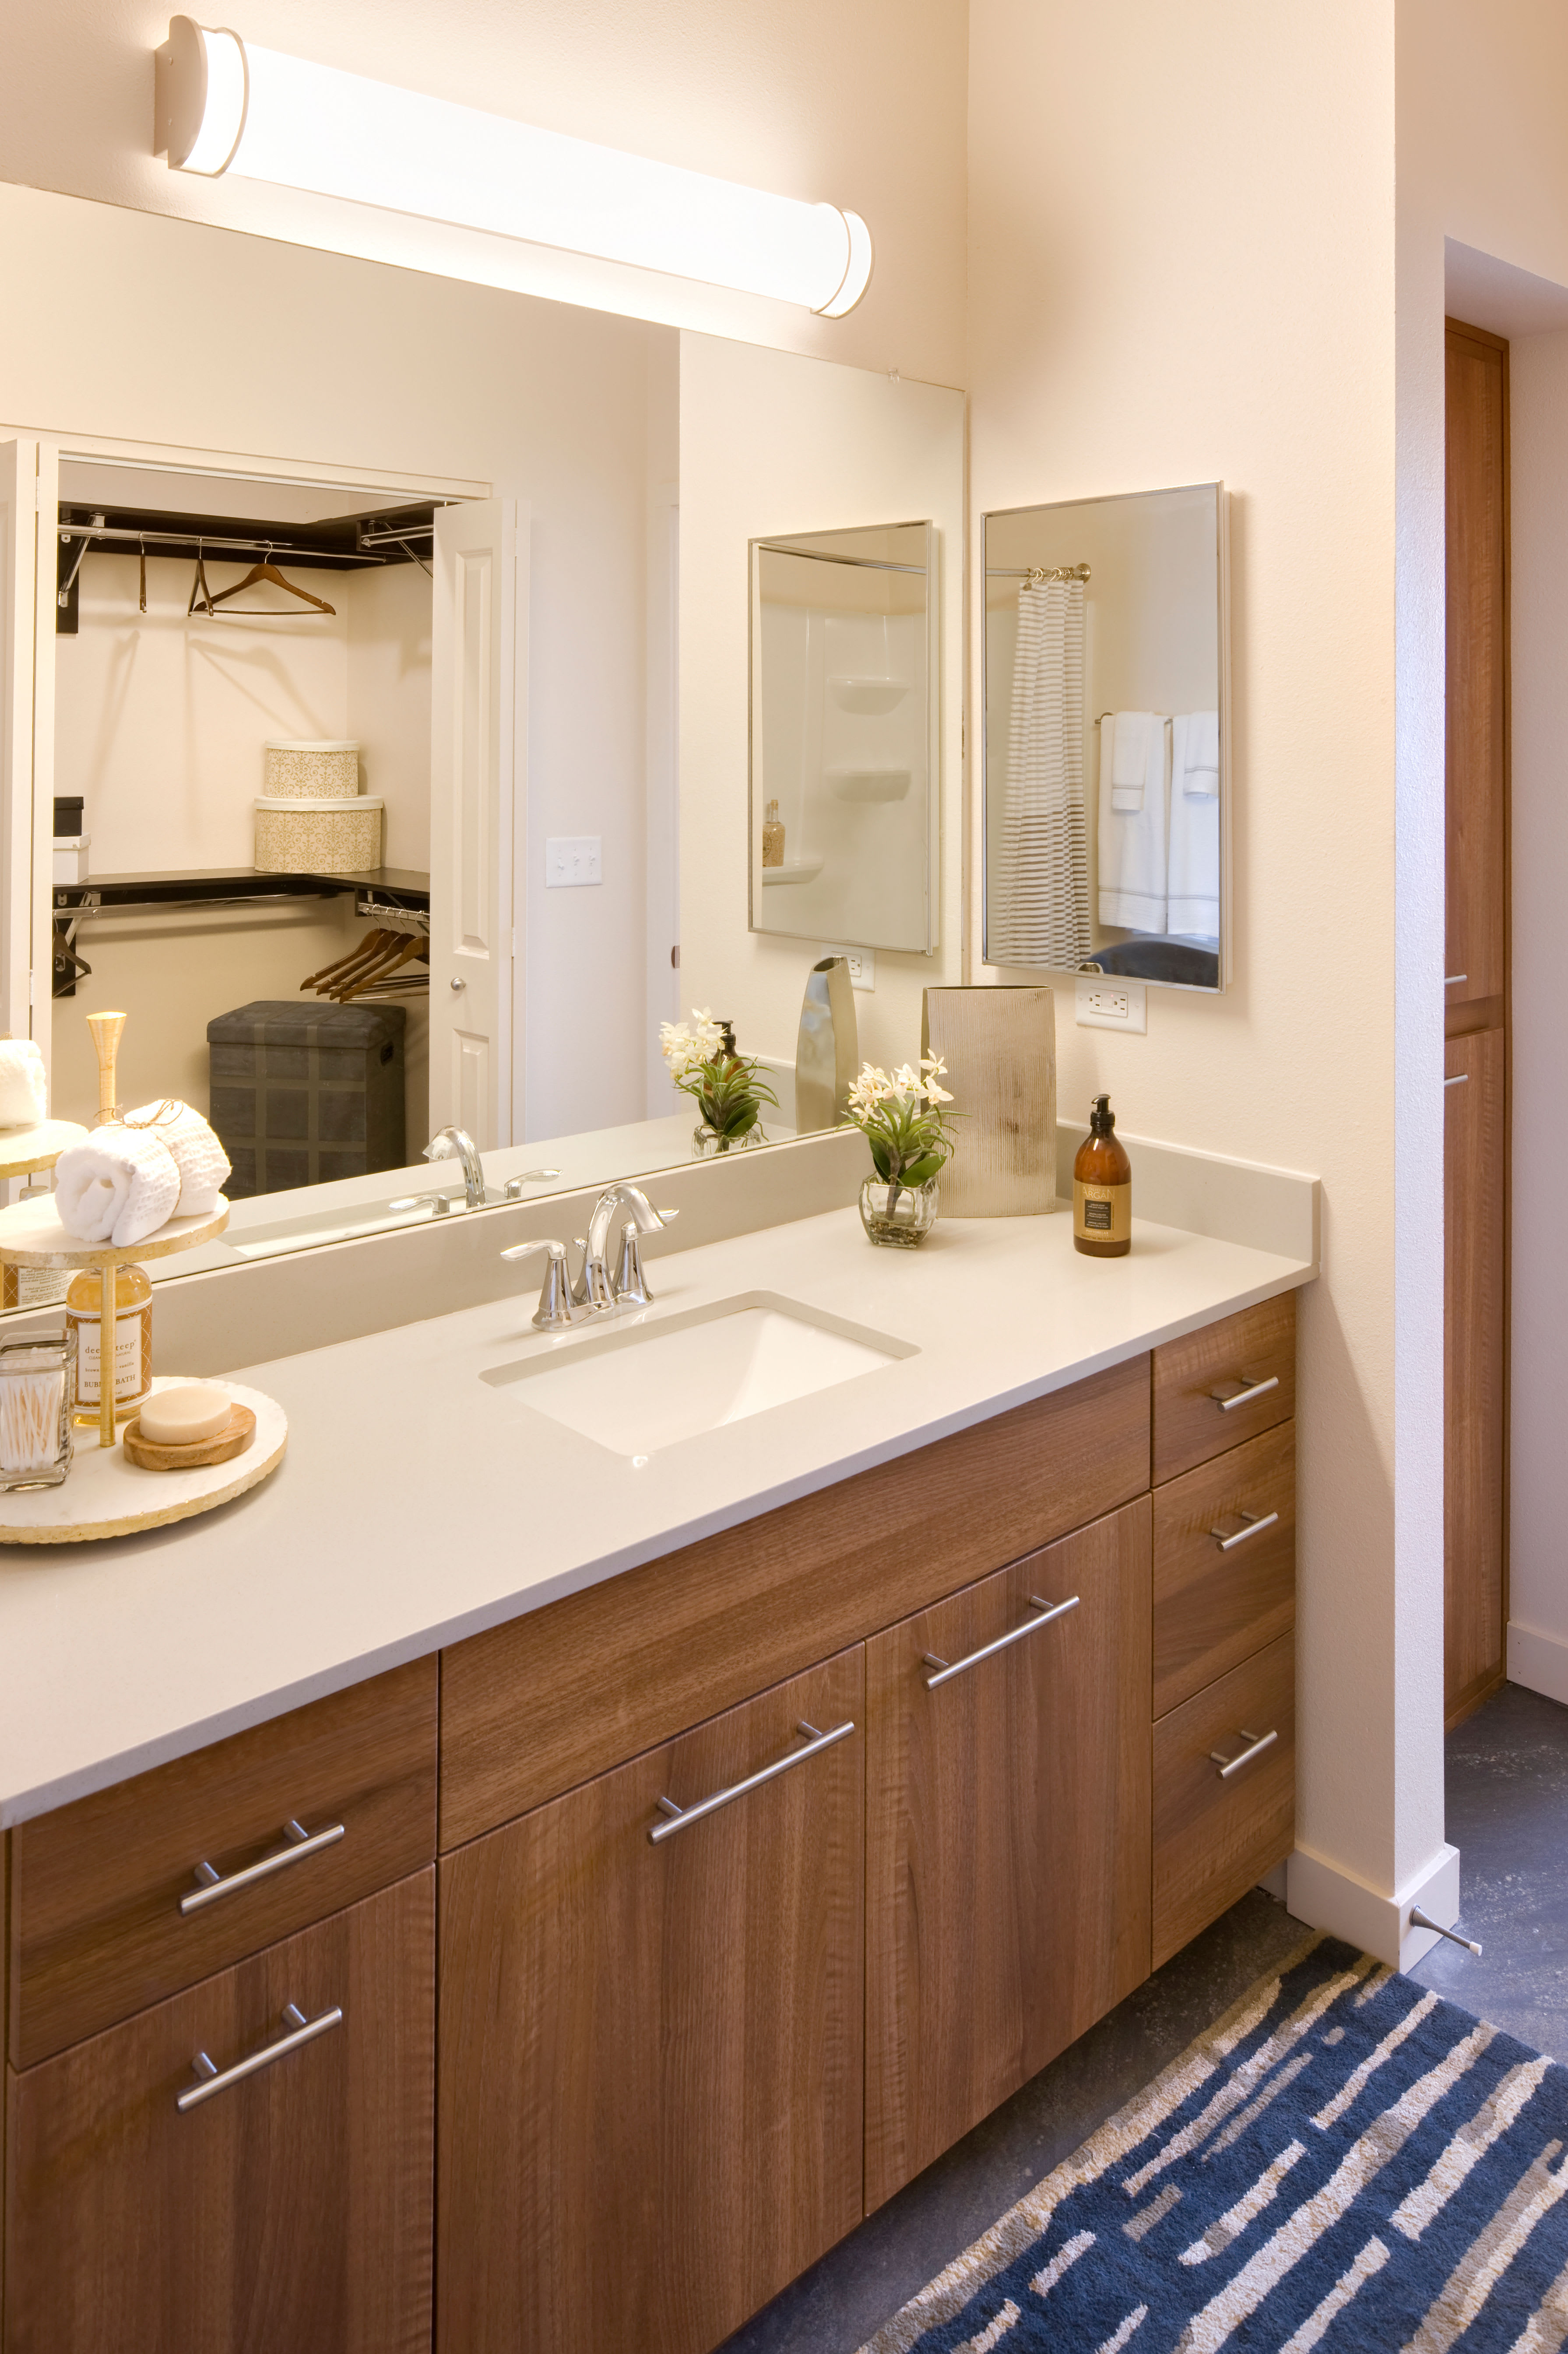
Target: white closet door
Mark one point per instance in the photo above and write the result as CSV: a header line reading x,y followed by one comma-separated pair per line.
x,y
478,756
28,473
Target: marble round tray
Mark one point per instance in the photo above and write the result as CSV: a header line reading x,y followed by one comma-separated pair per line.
x,y
25,1150
106,1496
32,1235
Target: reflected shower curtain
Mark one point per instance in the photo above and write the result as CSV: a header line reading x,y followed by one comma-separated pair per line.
x,y
1041,913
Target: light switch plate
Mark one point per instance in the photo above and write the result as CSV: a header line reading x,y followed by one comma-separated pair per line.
x,y
862,963
571,859
1112,1003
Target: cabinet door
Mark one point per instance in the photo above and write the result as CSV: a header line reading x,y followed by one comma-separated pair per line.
x,y
1476,952
1473,1328
651,2073
288,2211
1007,1836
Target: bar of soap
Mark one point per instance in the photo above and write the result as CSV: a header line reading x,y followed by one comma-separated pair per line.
x,y
184,1417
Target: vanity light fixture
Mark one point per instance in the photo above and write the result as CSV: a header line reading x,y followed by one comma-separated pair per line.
x,y
225,105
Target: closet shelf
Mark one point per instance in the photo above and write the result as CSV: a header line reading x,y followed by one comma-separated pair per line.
x,y
377,891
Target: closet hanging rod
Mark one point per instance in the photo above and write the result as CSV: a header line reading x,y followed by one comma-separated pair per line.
x,y
1036,574
394,538
255,545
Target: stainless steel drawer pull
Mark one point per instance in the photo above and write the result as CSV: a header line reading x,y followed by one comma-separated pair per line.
x,y
1226,1398
301,1842
1452,980
1048,1611
214,2079
1256,1525
1257,1743
1460,1079
679,1817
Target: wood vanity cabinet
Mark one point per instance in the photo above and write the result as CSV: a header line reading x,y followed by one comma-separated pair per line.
x,y
672,2072
651,2053
1007,1834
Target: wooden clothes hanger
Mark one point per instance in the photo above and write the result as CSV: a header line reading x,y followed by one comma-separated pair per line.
x,y
266,571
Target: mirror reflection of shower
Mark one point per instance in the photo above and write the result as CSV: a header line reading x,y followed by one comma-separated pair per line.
x,y
842,753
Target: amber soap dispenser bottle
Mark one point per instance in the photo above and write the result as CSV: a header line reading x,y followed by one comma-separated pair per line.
x,y
1102,1189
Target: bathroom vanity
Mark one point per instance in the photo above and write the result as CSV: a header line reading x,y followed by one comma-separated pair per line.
x,y
512,2037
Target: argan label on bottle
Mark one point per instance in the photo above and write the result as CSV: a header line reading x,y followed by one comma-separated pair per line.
x,y
1103,1213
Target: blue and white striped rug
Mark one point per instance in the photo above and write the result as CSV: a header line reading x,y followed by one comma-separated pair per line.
x,y
1345,2161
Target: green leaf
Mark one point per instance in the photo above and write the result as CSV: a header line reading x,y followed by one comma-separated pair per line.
x,y
919,1171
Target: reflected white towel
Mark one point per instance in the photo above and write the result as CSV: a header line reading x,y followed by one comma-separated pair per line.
x,y
200,1158
1202,768
119,1187
1132,842
1132,733
1194,903
24,1090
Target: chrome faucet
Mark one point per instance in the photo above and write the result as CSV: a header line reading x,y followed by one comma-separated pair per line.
x,y
598,1291
456,1144
595,1292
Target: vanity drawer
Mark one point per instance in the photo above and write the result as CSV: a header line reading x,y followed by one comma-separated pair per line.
x,y
97,1929
1217,1602
1216,1835
1250,1359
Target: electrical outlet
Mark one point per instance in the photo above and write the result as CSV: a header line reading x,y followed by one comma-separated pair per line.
x,y
862,963
1112,1004
571,859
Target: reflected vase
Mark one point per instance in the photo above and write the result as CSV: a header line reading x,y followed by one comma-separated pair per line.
x,y
708,1141
901,1216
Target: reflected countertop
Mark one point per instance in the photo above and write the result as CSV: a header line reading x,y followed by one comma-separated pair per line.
x,y
419,1503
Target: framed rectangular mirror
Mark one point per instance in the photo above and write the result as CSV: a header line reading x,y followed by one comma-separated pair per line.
x,y
1106,737
845,749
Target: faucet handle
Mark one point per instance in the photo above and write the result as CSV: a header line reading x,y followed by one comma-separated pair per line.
x,y
554,1313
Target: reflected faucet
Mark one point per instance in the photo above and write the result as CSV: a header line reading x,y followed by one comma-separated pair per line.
x,y
456,1144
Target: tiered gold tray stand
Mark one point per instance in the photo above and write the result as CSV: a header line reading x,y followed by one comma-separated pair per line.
x,y
32,1235
23,1152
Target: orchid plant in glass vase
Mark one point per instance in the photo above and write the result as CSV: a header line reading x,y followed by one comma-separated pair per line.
x,y
727,1088
904,1120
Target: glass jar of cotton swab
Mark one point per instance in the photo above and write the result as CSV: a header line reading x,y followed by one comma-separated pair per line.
x,y
38,1390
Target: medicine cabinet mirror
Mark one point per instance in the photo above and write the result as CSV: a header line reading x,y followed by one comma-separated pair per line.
x,y
845,745
1107,750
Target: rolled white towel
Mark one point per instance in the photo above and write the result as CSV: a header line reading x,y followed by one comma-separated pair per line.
x,y
118,1187
202,1162
24,1090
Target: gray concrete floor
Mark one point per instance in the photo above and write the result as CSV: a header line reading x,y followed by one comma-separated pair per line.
x,y
1508,1814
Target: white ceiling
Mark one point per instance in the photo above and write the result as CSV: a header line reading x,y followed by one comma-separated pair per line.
x,y
1486,292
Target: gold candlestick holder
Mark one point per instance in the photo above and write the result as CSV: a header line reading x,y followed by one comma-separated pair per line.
x,y
106,1030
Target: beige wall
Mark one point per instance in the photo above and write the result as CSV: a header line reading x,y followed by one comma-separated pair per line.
x,y
1182,269
773,443
860,106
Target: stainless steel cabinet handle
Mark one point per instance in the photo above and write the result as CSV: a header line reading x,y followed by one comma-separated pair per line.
x,y
1460,1079
1257,1743
1245,1395
1256,1525
302,1842
1048,1611
219,2080
679,1817
1452,980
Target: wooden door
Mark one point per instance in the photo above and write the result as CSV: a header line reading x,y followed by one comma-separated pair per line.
x,y
1007,1837
479,734
651,2053
1474,1275
1476,478
1476,1178
287,2213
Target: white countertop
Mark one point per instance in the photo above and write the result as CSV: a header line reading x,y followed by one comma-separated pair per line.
x,y
418,1504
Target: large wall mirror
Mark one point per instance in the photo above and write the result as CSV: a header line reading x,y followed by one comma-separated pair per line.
x,y
1107,750
396,783
844,736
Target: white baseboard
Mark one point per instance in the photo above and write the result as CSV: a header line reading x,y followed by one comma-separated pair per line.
x,y
1325,1897
1538,1661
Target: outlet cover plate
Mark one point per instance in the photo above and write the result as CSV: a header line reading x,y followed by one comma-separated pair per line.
x,y
861,965
1112,1003
571,861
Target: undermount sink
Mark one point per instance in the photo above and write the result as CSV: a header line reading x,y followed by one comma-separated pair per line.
x,y
641,1389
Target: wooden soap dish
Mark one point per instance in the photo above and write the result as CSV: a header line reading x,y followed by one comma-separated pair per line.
x,y
154,1457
